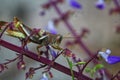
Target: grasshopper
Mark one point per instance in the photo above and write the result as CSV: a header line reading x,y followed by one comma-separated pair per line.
x,y
42,38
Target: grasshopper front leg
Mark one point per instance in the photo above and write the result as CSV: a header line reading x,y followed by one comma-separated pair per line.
x,y
3,23
57,47
39,53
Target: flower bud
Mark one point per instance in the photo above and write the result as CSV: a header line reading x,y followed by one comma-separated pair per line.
x,y
21,65
1,67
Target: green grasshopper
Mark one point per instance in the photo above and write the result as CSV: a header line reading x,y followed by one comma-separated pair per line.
x,y
42,38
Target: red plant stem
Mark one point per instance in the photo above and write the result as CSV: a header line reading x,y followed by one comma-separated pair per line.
x,y
79,41
117,3
116,76
43,60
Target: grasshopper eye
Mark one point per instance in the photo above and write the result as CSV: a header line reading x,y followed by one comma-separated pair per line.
x,y
59,39
42,32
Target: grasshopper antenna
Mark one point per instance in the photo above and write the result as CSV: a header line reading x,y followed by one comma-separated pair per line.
x,y
67,36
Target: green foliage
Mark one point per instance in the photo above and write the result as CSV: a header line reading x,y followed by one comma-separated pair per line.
x,y
93,70
87,69
71,66
98,66
80,63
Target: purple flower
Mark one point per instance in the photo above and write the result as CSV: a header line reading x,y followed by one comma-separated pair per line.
x,y
108,58
44,77
52,52
100,4
113,59
51,27
74,4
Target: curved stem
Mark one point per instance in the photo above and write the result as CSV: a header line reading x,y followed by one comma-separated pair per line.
x,y
9,61
88,62
42,66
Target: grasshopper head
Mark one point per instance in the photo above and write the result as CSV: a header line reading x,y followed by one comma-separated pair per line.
x,y
16,22
15,19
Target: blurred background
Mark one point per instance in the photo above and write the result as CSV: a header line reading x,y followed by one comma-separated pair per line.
x,y
101,25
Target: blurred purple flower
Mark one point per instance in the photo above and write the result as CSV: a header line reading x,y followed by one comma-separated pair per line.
x,y
42,13
44,77
51,27
100,4
109,59
75,4
52,52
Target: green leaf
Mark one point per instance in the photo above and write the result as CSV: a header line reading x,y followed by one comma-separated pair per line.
x,y
87,70
92,72
80,63
69,63
98,66
1,30
71,66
